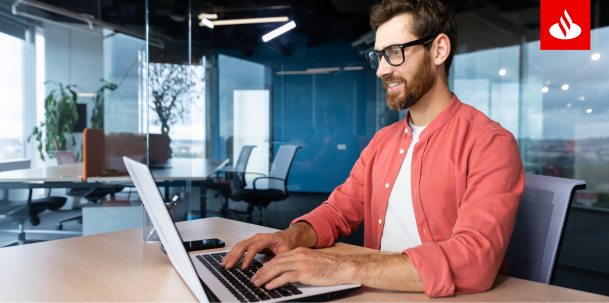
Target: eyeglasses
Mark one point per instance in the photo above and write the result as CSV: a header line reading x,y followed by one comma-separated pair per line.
x,y
394,54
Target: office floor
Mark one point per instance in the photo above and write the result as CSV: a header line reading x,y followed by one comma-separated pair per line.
x,y
583,263
48,219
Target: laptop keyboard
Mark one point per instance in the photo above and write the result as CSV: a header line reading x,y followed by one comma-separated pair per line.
x,y
239,283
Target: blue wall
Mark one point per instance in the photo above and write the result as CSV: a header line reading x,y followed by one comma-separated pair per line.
x,y
331,115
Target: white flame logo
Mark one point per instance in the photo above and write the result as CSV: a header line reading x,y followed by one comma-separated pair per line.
x,y
565,31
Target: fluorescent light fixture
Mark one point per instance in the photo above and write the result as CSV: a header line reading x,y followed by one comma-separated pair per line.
x,y
568,104
279,31
86,94
206,22
301,72
544,89
589,110
582,98
208,16
250,21
502,72
323,69
565,87
596,56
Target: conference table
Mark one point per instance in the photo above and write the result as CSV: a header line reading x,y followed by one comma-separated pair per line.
x,y
177,173
118,266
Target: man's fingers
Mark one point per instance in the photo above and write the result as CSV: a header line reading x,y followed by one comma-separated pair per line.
x,y
288,277
262,242
235,254
273,270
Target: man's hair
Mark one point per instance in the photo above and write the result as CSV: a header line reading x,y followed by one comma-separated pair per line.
x,y
429,18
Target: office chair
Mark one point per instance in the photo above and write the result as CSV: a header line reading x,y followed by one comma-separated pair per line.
x,y
539,228
21,211
233,175
277,184
92,195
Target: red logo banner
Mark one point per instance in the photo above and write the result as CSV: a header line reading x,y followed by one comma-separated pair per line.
x,y
565,25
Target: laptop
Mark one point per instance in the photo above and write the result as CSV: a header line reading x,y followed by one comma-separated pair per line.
x,y
202,272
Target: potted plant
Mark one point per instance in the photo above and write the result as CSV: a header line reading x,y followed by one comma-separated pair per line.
x,y
60,117
97,118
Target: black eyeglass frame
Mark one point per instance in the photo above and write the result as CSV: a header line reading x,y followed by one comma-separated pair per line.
x,y
383,52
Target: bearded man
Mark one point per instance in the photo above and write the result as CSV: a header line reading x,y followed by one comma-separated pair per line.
x,y
439,190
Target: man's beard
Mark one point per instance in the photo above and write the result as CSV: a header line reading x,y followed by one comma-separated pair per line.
x,y
413,91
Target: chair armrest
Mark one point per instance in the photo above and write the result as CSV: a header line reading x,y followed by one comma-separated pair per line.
x,y
265,178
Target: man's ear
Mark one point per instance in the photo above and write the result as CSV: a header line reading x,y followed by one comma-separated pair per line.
x,y
441,49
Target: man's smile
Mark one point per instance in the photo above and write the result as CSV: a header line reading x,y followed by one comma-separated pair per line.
x,y
394,86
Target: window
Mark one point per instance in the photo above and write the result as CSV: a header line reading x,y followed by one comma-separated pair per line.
x,y
11,98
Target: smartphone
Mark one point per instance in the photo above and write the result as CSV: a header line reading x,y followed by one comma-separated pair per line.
x,y
200,245
203,244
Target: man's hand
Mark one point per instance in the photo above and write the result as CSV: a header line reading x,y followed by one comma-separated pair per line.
x,y
313,267
306,266
298,235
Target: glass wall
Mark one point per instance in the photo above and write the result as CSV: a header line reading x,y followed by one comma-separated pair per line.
x,y
553,103
11,84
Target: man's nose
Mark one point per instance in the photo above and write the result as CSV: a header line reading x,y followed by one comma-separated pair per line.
x,y
384,69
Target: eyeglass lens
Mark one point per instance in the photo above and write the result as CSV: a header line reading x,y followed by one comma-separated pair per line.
x,y
393,54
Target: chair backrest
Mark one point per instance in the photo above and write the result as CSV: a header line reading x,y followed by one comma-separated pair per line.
x,y
244,156
281,166
64,157
540,223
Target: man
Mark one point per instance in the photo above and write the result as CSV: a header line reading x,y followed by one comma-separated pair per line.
x,y
440,189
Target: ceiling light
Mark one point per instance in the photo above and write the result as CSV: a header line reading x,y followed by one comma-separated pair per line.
x,y
86,94
544,89
301,72
596,56
206,22
589,110
568,104
208,16
565,87
177,18
502,72
250,21
324,69
582,98
288,26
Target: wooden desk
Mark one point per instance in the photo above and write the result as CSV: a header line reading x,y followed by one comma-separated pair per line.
x,y
118,266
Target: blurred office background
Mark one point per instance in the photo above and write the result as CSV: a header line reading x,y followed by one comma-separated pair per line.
x,y
163,73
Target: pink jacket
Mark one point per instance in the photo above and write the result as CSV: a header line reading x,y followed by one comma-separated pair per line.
x,y
467,181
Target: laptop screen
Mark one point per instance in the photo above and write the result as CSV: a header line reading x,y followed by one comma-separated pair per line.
x,y
164,225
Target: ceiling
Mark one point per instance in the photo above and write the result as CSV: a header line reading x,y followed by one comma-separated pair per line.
x,y
320,20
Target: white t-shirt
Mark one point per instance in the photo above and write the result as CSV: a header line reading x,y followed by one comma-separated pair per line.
x,y
400,231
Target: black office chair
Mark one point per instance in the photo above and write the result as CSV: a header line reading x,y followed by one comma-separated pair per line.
x,y
234,175
277,184
21,211
92,195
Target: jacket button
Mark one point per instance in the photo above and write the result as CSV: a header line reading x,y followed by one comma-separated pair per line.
x,y
380,221
402,151
406,130
387,185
